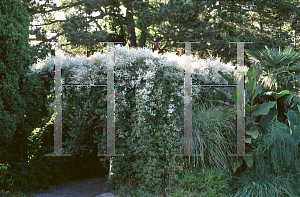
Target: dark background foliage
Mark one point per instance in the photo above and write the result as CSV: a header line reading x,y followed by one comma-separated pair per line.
x,y
24,107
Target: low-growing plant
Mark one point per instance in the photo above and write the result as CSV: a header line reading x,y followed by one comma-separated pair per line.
x,y
204,182
276,165
276,186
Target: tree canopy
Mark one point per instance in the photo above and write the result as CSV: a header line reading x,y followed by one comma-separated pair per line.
x,y
159,24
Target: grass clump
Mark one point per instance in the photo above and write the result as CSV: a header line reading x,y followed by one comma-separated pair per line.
x,y
204,182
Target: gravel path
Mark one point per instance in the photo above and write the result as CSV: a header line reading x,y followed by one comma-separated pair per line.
x,y
92,187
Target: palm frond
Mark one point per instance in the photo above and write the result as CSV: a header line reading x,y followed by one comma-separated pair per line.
x,y
290,56
254,56
269,80
295,68
288,50
292,98
272,58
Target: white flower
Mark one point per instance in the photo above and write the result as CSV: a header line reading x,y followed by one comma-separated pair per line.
x,y
242,69
149,62
149,75
80,69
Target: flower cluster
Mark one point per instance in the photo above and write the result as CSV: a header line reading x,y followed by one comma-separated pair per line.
x,y
83,70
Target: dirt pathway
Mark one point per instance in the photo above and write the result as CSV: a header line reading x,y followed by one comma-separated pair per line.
x,y
89,187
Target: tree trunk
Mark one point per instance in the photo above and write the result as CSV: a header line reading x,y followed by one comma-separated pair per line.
x,y
260,24
131,42
155,43
142,40
163,48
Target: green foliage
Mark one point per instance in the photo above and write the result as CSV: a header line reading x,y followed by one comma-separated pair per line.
x,y
214,25
212,181
14,20
294,122
281,146
145,137
203,182
82,126
209,126
252,89
149,145
84,118
24,109
273,61
42,171
216,29
274,186
22,96
276,165
279,67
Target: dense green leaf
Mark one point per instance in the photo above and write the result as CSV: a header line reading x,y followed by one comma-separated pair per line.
x,y
237,164
278,95
270,117
248,160
225,76
248,139
252,73
228,95
251,86
254,133
217,96
234,97
257,91
264,108
250,109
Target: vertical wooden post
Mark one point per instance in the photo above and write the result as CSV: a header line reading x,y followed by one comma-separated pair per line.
x,y
110,62
188,105
240,103
58,103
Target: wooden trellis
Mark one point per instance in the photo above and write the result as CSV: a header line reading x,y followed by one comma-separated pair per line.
x,y
111,102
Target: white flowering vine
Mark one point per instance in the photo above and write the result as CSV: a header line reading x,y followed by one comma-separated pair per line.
x,y
83,70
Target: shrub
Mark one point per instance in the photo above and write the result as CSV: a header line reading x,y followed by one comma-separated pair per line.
x,y
204,182
22,97
275,168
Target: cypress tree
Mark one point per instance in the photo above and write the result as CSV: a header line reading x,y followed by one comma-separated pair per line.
x,y
22,94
